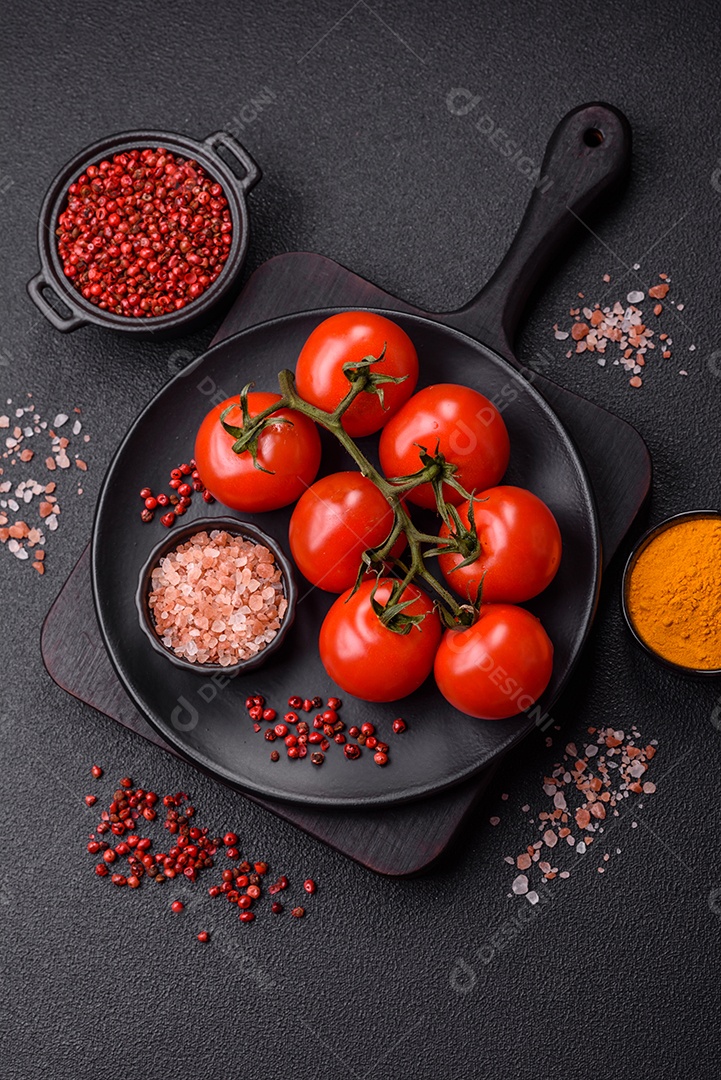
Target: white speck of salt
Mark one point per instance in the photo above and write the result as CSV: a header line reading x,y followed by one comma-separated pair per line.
x,y
635,297
532,897
520,885
634,824
525,809
77,427
60,419
581,847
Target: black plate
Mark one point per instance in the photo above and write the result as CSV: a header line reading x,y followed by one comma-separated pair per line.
x,y
208,724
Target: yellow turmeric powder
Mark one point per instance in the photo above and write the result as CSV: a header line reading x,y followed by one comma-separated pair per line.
x,y
673,593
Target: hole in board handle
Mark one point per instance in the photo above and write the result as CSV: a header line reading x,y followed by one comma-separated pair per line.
x,y
593,137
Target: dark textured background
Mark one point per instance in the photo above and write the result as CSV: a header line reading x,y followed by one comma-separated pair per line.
x,y
363,162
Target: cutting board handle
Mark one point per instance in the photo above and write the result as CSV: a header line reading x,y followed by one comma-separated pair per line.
x,y
588,156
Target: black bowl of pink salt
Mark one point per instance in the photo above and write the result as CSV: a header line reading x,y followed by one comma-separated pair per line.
x,y
217,595
144,232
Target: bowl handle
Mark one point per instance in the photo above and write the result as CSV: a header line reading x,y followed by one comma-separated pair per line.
x,y
36,287
239,153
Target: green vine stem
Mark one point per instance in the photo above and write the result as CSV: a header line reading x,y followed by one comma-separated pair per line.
x,y
435,470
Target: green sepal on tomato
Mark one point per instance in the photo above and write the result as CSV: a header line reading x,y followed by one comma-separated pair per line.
x,y
288,456
498,667
457,422
351,337
369,660
520,547
338,518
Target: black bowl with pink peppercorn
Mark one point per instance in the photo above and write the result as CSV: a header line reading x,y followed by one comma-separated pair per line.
x,y
144,232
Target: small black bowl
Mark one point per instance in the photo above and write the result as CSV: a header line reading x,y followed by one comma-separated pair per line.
x,y
179,535
687,515
66,308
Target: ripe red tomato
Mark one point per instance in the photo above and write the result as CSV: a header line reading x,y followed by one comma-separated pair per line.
x,y
351,336
367,659
498,667
291,451
466,427
335,520
520,547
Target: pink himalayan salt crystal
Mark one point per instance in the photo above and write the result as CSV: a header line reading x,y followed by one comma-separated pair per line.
x,y
217,598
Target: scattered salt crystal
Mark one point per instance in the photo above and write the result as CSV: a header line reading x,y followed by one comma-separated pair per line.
x,y
520,885
635,297
59,420
532,897
495,820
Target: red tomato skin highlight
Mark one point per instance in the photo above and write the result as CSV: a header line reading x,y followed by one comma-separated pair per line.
x,y
351,336
369,661
291,451
468,430
520,547
334,521
498,667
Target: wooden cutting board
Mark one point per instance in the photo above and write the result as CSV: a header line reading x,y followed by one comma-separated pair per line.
x,y
411,837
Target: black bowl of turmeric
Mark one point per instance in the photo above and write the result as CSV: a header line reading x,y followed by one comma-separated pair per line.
x,y
672,592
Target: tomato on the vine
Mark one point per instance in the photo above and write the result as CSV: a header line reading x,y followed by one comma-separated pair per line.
x,y
461,424
333,523
369,660
520,547
288,449
498,667
349,337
